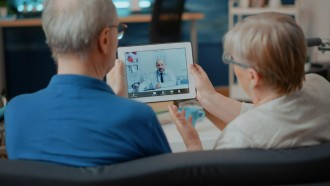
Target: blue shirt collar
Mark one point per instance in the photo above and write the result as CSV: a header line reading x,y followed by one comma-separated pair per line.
x,y
81,80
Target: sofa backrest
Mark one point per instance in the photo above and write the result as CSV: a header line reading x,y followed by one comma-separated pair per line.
x,y
218,167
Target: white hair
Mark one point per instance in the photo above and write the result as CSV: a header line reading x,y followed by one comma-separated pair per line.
x,y
274,44
162,60
72,26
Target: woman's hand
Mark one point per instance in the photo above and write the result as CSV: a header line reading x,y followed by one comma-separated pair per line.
x,y
185,128
203,84
116,79
222,107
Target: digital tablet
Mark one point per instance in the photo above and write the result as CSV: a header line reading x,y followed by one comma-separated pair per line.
x,y
158,72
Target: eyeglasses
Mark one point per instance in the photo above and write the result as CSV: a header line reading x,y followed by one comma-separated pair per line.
x,y
121,29
227,59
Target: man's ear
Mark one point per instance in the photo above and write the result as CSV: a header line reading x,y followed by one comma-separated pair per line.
x,y
103,41
254,77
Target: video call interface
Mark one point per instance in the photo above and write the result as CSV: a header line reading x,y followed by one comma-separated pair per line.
x,y
156,72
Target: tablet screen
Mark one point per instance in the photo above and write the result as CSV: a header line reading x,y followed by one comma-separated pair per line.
x,y
158,73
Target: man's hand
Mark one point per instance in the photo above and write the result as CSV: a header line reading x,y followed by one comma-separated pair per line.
x,y
116,79
158,86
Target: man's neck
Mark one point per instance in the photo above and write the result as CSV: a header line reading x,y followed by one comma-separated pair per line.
x,y
72,64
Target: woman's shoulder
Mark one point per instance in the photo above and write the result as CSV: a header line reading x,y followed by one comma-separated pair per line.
x,y
315,78
253,118
316,82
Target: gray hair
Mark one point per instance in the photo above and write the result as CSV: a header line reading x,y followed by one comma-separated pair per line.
x,y
72,26
164,62
274,44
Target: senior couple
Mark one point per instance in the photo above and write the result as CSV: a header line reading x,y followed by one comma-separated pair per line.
x,y
80,120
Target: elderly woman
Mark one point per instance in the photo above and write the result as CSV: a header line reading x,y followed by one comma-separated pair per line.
x,y
289,109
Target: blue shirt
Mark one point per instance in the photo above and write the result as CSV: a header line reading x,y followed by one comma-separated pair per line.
x,y
79,121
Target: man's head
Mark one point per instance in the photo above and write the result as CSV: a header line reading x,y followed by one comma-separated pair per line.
x,y
273,46
74,27
160,65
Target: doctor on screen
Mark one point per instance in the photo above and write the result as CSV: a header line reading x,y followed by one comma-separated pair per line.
x,y
161,78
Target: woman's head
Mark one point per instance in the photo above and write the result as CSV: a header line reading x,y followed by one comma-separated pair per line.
x,y
272,44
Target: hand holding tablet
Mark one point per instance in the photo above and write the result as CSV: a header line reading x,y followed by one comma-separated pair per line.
x,y
158,72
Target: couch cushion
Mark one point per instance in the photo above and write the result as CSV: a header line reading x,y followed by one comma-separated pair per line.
x,y
218,167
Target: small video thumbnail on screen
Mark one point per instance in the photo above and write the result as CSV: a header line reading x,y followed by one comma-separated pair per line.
x,y
156,72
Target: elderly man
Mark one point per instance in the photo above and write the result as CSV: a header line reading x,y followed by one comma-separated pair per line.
x,y
161,78
78,119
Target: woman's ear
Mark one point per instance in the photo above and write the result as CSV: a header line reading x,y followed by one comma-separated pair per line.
x,y
254,77
104,40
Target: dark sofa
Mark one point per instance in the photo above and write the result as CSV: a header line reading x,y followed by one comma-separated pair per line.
x,y
299,166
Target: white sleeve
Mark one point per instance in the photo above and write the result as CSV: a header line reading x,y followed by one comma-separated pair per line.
x,y
152,81
246,107
170,81
233,138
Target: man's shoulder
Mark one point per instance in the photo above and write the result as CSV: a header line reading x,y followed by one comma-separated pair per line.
x,y
169,71
24,99
133,106
134,111
18,105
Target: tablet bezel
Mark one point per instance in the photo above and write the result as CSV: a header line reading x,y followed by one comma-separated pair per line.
x,y
189,60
